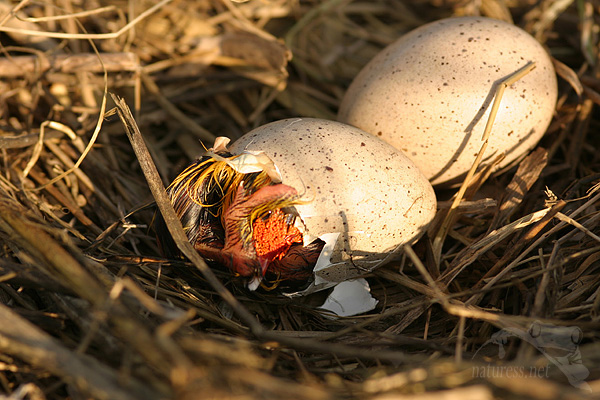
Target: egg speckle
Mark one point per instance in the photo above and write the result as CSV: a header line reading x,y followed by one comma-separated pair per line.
x,y
430,94
356,186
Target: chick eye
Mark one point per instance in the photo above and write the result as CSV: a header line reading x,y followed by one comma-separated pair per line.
x,y
266,215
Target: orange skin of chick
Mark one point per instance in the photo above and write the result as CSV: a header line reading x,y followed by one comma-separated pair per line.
x,y
236,254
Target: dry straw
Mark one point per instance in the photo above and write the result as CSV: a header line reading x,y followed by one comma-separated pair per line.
x,y
90,309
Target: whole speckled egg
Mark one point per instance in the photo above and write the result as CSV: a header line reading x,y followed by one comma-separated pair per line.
x,y
430,93
363,197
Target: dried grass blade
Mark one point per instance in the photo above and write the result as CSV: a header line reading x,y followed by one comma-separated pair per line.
x,y
57,261
474,251
439,238
527,174
170,108
88,36
173,224
24,340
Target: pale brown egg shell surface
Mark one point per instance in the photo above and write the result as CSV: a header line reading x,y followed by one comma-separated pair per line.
x,y
430,92
353,184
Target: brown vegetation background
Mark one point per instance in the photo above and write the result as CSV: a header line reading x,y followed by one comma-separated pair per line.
x,y
90,309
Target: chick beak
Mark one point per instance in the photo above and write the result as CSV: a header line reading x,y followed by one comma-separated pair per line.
x,y
254,283
264,264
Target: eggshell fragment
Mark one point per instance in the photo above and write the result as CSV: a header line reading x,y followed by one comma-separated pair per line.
x,y
430,93
364,198
350,298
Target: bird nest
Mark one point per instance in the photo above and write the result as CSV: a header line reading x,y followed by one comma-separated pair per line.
x,y
89,308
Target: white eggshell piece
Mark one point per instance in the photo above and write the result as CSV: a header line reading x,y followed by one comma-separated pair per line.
x,y
350,298
363,197
430,93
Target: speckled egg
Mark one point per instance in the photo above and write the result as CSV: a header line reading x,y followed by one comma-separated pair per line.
x,y
430,93
364,198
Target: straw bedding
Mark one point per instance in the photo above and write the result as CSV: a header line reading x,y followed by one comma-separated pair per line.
x,y
90,309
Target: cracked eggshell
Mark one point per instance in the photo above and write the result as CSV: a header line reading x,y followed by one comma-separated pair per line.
x,y
429,94
364,198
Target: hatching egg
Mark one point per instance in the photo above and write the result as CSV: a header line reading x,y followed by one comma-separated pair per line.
x,y
360,195
430,94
